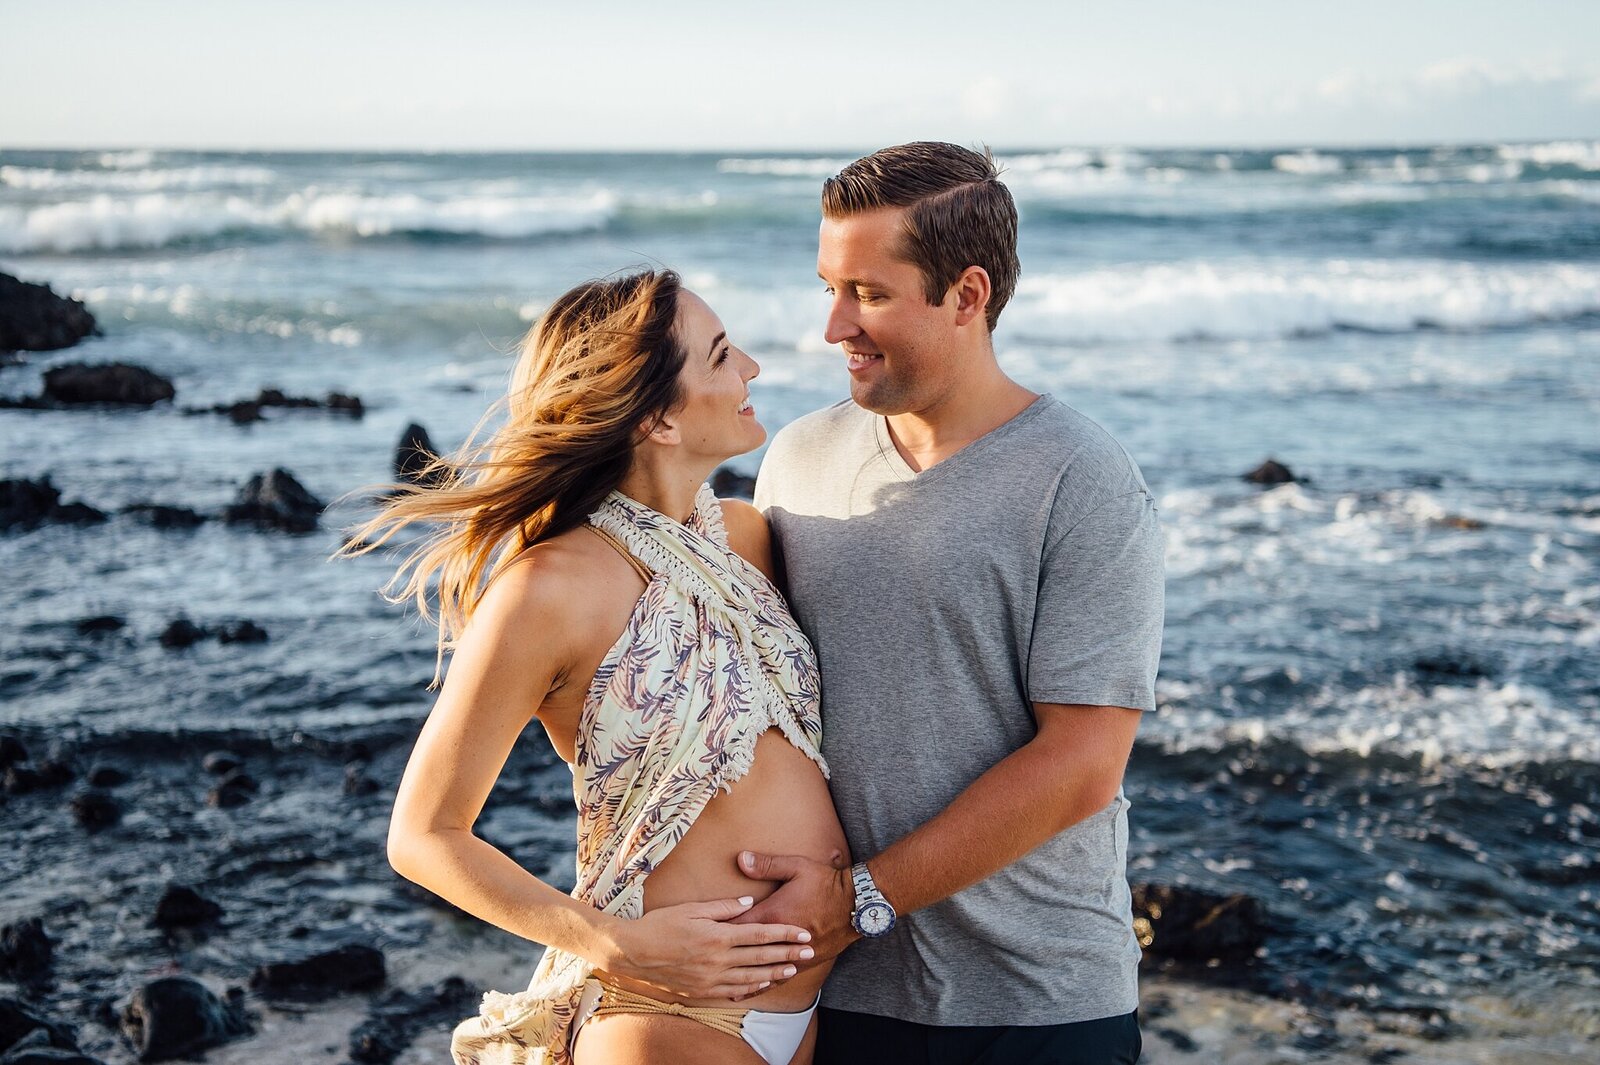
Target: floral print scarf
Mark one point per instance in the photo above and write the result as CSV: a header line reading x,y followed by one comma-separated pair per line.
x,y
711,658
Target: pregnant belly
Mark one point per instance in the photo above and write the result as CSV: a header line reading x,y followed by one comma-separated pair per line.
x,y
780,806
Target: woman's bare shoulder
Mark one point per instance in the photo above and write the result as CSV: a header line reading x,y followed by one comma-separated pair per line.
x,y
553,579
749,535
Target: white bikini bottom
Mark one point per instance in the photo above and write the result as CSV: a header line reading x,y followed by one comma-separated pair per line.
x,y
775,1036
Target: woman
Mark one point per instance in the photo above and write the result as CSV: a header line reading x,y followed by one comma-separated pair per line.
x,y
588,578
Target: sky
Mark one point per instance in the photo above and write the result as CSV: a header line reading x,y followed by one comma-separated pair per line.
x,y
625,75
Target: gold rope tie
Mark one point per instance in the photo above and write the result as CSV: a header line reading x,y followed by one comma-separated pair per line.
x,y
728,1020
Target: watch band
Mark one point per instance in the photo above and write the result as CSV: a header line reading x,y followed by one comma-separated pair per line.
x,y
874,915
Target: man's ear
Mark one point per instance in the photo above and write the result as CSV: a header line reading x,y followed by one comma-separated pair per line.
x,y
972,290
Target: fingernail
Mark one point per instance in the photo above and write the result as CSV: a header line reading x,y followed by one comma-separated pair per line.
x,y
747,858
806,954
747,900
804,937
766,983
789,970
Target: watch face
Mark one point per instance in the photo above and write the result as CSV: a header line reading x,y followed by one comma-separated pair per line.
x,y
874,919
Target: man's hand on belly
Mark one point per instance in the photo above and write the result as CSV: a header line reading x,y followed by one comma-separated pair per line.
x,y
814,895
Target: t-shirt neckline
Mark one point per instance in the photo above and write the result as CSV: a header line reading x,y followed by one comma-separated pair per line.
x,y
902,469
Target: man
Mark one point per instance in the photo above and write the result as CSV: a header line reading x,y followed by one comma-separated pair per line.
x,y
980,568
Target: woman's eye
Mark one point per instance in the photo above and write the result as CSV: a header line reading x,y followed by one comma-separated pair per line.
x,y
723,357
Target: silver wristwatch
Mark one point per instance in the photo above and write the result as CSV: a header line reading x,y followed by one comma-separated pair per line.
x,y
873,916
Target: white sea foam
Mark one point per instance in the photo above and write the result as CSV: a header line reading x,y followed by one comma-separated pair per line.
x,y
801,167
1307,161
1490,724
491,216
1582,154
137,159
104,222
1256,299
189,177
154,220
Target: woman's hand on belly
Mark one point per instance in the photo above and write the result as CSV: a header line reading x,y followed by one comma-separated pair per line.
x,y
692,950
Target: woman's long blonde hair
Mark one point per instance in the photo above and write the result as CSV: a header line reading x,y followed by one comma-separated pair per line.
x,y
599,364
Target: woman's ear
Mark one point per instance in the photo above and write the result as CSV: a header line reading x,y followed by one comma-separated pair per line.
x,y
662,429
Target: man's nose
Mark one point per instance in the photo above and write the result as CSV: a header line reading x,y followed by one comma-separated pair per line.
x,y
841,324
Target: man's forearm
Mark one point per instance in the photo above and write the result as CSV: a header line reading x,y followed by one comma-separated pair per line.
x,y
1064,775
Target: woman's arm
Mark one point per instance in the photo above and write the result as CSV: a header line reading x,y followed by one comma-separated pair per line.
x,y
515,650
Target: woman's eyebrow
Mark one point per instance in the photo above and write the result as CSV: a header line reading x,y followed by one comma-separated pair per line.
x,y
719,338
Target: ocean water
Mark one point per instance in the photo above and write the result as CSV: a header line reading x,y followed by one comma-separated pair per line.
x,y
1380,688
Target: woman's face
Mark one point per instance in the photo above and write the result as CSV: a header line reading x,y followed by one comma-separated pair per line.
x,y
716,420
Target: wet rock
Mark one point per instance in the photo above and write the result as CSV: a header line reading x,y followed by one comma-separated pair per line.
x,y
728,482
177,1016
413,455
348,968
275,501
95,809
219,762
245,411
1177,1040
1456,521
24,1054
397,1018
21,1030
11,751
356,780
1271,472
24,949
165,517
26,504
33,318
181,633
117,384
101,624
234,789
242,631
106,776
1451,668
20,778
1189,925
182,906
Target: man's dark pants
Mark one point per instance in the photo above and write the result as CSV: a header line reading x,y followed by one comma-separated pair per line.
x,y
845,1038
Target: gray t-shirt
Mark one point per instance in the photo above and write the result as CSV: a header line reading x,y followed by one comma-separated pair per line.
x,y
1026,567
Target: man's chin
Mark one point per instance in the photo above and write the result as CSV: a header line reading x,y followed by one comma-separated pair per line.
x,y
871,395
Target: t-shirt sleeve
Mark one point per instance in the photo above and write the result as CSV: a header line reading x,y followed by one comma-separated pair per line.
x,y
1097,627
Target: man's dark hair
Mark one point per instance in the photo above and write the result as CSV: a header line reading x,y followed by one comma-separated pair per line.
x,y
958,214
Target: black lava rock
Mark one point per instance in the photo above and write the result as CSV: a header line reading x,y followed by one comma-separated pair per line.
x,y
182,906
33,318
105,776
177,1016
182,633
220,762
103,623
1190,925
117,384
1271,472
243,631
398,1016
95,809
275,501
348,968
21,1030
165,517
11,751
728,482
413,455
234,789
24,949
356,780
26,504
